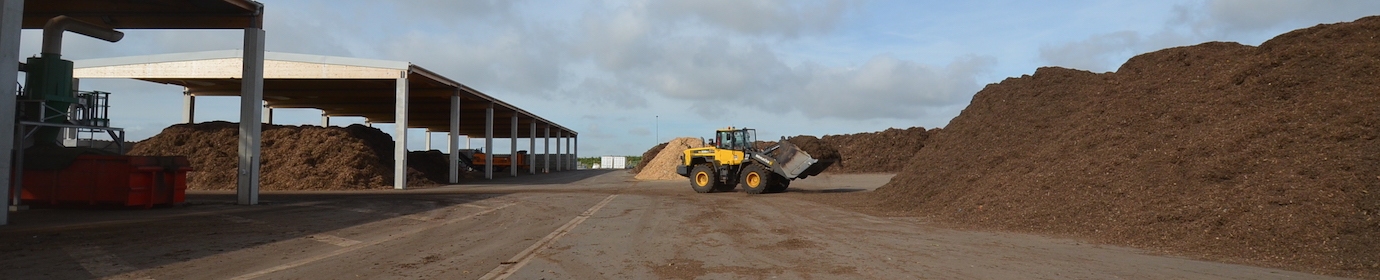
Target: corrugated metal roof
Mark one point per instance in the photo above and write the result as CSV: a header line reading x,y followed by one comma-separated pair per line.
x,y
372,98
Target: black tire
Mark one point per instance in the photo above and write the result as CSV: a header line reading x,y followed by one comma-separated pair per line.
x,y
756,179
780,184
703,179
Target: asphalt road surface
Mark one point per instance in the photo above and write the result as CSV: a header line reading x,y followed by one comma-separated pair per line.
x,y
566,225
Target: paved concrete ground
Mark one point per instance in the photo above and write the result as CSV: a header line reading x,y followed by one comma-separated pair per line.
x,y
568,225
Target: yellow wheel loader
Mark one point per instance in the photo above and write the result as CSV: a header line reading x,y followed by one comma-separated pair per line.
x,y
732,158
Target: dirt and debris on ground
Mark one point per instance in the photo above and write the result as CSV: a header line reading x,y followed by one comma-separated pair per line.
x,y
293,157
652,230
663,165
1258,155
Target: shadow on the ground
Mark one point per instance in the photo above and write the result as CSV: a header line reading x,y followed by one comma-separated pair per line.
x,y
553,178
60,243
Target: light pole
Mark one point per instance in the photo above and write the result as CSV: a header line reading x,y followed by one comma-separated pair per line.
x,y
658,130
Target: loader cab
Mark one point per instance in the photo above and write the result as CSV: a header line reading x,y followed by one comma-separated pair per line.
x,y
735,139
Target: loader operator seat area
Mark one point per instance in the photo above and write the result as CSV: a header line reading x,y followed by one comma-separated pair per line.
x,y
736,140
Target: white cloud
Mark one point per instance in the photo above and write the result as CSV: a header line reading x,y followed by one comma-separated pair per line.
x,y
452,10
1228,16
678,50
1244,21
887,87
760,17
607,91
1093,53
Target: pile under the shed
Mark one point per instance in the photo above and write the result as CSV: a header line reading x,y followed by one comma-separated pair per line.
x,y
293,157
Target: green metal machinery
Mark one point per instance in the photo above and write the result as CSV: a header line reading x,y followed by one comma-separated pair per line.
x,y
48,95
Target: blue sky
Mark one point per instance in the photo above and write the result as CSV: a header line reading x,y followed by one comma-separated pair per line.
x,y
624,73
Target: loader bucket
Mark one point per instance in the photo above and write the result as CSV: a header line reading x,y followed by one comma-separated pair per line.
x,y
795,163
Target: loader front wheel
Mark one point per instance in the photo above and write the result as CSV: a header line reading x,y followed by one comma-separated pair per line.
x,y
757,179
703,179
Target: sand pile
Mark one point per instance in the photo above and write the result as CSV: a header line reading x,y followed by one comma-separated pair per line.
x,y
293,157
1260,155
663,165
885,151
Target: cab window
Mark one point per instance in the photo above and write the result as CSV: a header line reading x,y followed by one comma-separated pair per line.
x,y
729,140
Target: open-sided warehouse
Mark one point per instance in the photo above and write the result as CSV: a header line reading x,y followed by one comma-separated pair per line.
x,y
379,90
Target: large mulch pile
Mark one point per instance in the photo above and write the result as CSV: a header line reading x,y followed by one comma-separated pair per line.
x,y
817,149
1259,155
886,151
293,157
663,165
647,157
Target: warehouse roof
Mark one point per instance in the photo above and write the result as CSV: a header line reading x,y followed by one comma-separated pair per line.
x,y
339,86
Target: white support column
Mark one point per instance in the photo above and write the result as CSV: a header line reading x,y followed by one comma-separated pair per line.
x,y
489,142
251,106
11,15
400,133
560,151
570,152
532,150
428,139
576,148
325,119
454,139
546,158
513,158
560,157
188,107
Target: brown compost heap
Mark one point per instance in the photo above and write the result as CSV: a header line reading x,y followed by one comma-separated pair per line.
x,y
293,157
1260,155
817,149
885,151
647,157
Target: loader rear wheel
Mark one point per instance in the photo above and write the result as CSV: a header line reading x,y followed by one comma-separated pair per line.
x,y
703,179
757,179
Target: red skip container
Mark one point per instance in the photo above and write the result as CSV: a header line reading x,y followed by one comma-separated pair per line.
x,y
142,181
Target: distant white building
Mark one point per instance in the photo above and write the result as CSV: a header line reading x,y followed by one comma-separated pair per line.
x,y
612,162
